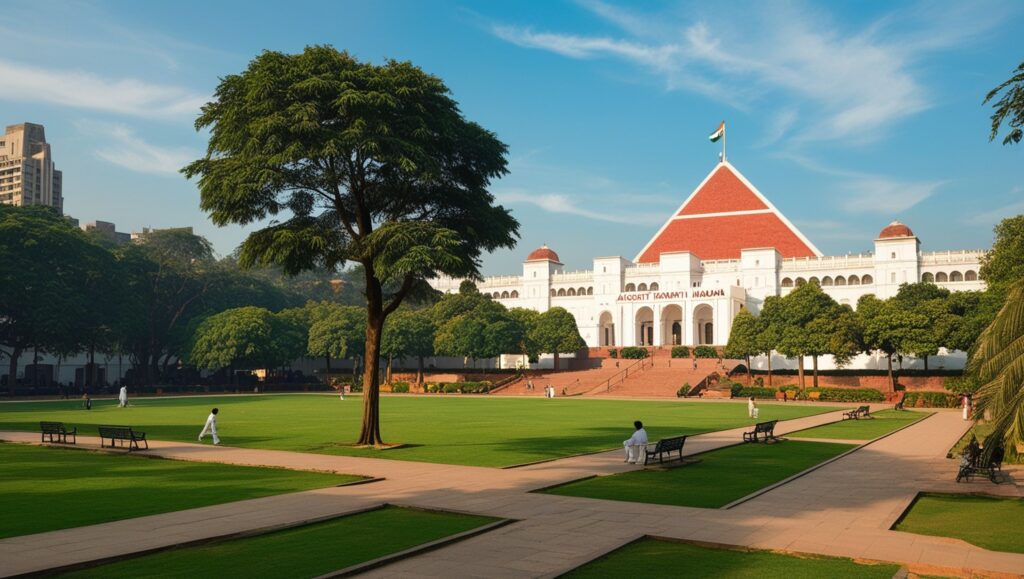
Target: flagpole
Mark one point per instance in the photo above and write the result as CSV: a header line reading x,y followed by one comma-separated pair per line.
x,y
723,141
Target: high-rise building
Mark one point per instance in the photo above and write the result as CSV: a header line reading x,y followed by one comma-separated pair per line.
x,y
27,174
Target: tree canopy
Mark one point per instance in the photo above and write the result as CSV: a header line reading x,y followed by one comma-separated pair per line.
x,y
1009,107
358,162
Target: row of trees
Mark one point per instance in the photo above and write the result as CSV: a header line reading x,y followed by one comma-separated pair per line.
x,y
467,324
67,291
807,322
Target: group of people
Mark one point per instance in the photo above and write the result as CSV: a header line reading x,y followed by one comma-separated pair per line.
x,y
549,390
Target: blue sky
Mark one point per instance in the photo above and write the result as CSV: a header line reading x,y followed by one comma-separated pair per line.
x,y
845,114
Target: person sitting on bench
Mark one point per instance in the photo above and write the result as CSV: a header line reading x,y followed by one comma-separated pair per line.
x,y
636,445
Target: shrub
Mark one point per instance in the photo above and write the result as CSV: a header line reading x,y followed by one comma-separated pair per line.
x,y
475,387
683,390
613,353
634,353
962,385
431,388
705,352
759,382
748,391
931,400
400,387
451,388
680,352
847,394
735,389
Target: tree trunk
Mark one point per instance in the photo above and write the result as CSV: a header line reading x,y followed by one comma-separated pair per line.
x,y
327,375
12,370
390,374
556,361
750,374
926,362
800,369
370,435
892,377
815,380
419,370
769,368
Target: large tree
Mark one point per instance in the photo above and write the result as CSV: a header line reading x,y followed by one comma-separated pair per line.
x,y
556,333
358,162
806,318
243,338
1003,265
772,323
892,329
744,337
1009,108
409,333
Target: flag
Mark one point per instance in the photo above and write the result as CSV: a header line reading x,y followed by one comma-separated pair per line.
x,y
718,134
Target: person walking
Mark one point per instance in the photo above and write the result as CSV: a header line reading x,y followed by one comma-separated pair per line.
x,y
122,397
211,427
751,408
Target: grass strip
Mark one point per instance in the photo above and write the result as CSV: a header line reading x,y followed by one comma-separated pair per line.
x,y
989,522
479,431
45,489
722,476
660,558
307,551
883,423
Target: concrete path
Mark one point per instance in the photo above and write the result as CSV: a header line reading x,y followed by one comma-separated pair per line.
x,y
844,508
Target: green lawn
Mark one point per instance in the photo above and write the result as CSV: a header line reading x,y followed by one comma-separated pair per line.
x,y
720,478
307,551
656,558
883,422
483,431
988,522
45,489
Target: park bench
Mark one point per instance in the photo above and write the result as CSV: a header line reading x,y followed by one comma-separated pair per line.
x,y
974,462
762,432
858,413
57,433
665,446
122,434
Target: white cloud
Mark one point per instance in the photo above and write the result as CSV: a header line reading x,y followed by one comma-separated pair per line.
x,y
84,90
851,85
123,148
561,203
877,194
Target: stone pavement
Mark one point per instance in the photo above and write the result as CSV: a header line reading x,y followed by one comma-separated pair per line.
x,y
844,508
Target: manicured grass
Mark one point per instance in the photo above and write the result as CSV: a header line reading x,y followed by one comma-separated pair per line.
x,y
483,431
883,422
988,522
307,551
45,489
656,558
720,478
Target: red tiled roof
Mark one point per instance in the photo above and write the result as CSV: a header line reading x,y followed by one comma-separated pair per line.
x,y
723,236
722,192
542,253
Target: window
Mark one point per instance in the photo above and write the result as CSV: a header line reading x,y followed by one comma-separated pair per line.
x,y
604,269
867,280
826,281
534,274
641,288
971,276
815,281
757,262
853,280
561,293
892,277
800,281
590,291
654,287
956,276
696,284
504,295
553,292
840,280
893,255
928,277
786,282
570,292
630,287
941,277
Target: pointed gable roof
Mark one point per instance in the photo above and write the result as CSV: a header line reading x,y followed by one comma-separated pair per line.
x,y
724,215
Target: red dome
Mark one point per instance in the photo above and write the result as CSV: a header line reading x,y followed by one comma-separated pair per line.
x,y
543,253
896,229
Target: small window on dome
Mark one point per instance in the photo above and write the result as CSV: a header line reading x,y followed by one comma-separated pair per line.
x,y
892,255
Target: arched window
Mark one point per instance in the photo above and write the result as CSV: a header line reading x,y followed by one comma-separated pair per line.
x,y
553,292
826,281
928,277
800,281
582,291
504,295
641,288
654,287
956,276
561,293
840,280
970,275
630,287
815,280
514,294
571,292
853,280
867,280
786,282
941,277
590,291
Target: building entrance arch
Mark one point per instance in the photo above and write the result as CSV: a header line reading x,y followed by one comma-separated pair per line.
x,y
606,329
645,326
672,325
703,324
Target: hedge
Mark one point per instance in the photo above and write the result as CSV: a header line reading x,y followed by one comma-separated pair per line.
x,y
705,352
400,387
930,400
683,390
863,372
748,391
634,353
680,351
613,353
833,394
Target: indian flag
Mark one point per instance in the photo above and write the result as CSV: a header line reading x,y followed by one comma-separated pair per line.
x,y
718,134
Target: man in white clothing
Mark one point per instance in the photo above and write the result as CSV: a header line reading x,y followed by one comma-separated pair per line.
x,y
636,445
751,408
122,397
211,427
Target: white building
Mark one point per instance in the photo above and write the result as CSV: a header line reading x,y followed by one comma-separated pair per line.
x,y
726,248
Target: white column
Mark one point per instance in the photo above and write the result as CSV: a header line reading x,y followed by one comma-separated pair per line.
x,y
656,322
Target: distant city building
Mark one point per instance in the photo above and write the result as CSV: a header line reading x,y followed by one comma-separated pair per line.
x,y
109,231
147,230
27,173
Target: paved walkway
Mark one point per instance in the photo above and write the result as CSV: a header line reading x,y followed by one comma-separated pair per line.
x,y
843,508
